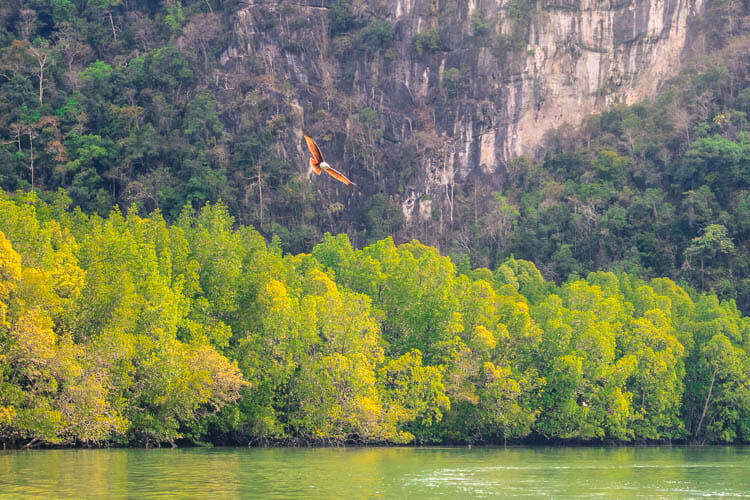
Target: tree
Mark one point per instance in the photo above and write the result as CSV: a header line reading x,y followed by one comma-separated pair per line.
x,y
90,156
198,34
713,243
72,46
416,296
41,55
21,57
106,7
711,161
335,388
724,412
502,398
382,218
340,17
657,382
413,397
46,394
377,35
27,22
499,223
201,120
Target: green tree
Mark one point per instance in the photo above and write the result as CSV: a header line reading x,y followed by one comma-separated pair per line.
x,y
340,17
712,244
377,35
383,218
724,416
428,41
201,120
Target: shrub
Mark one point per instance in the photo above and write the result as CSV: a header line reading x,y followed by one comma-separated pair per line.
x,y
377,35
478,25
340,18
428,41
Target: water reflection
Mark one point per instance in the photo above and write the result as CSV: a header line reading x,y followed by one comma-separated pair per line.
x,y
676,472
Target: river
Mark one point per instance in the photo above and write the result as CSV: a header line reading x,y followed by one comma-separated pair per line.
x,y
663,472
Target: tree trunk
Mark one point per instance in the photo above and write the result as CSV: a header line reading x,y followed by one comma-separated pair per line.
x,y
260,195
112,23
31,157
705,406
476,213
41,79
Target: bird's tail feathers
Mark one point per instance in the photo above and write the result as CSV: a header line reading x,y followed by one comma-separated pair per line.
x,y
315,167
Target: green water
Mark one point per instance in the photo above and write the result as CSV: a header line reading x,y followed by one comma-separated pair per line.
x,y
668,472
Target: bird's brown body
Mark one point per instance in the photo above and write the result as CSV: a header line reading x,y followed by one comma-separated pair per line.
x,y
319,165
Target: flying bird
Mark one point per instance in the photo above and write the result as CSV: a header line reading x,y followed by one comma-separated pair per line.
x,y
319,165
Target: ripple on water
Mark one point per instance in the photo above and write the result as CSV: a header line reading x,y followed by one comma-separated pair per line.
x,y
378,472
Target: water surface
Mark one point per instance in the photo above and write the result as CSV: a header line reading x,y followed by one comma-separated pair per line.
x,y
657,472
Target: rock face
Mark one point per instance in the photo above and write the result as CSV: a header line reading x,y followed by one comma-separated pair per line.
x,y
461,88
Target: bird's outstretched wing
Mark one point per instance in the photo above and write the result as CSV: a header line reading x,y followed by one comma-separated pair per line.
x,y
315,166
314,149
339,176
318,159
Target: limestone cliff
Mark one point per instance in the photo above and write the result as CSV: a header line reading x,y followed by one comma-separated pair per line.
x,y
460,89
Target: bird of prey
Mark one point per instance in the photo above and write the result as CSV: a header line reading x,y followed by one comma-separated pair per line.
x,y
319,165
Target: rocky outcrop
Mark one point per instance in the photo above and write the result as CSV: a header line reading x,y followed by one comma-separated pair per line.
x,y
467,85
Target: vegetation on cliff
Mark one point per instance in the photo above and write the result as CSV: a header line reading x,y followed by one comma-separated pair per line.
x,y
125,102
658,189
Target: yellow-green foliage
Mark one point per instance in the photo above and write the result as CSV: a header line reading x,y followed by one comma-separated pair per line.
x,y
125,329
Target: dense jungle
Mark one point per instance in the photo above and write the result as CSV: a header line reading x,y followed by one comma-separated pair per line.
x,y
539,251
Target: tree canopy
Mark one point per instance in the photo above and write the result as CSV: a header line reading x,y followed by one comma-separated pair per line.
x,y
126,329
